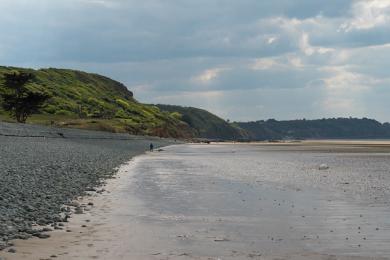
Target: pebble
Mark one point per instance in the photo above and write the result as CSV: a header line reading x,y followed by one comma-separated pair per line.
x,y
42,236
323,167
79,210
41,175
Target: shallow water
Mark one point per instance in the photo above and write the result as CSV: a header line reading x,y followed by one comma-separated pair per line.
x,y
260,199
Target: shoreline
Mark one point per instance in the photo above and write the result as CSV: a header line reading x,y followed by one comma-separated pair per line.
x,y
93,203
40,177
129,220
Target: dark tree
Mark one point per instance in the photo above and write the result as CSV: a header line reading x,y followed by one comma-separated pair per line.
x,y
18,100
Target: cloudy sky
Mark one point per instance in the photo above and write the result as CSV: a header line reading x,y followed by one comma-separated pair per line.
x,y
243,60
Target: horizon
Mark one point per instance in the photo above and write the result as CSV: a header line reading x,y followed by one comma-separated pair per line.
x,y
244,61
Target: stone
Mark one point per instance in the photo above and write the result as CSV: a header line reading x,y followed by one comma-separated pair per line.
x,y
41,235
323,167
79,210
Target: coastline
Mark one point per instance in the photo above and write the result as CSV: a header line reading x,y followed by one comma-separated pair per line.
x,y
44,169
95,205
138,216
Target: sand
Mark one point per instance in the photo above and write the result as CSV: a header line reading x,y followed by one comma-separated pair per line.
x,y
168,205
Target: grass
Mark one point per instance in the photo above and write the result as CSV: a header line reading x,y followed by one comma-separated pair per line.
x,y
90,101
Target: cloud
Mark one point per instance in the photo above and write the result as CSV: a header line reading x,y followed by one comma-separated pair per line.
x,y
208,75
265,64
272,39
368,14
244,60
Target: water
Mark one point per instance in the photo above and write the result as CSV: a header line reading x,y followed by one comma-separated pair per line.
x,y
250,200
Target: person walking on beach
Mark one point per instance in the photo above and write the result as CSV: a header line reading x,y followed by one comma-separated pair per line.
x,y
151,147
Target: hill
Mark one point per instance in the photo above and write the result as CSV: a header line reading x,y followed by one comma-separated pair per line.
x,y
334,128
204,123
91,101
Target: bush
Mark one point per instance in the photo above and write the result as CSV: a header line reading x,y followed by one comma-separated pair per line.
x,y
122,103
63,113
121,114
50,109
176,115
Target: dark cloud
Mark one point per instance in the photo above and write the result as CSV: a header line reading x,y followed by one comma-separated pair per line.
x,y
244,59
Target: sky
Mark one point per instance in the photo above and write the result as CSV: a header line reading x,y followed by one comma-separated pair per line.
x,y
242,60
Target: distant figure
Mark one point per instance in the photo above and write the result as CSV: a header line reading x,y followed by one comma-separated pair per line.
x,y
151,147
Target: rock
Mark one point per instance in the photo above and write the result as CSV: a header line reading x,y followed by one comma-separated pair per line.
x,y
74,204
29,208
32,231
221,239
79,210
3,245
41,235
23,236
323,167
41,222
12,250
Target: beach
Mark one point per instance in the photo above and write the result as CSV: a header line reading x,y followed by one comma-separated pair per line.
x,y
43,169
233,201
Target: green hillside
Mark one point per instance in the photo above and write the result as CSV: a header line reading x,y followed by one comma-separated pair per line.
x,y
204,123
91,101
332,128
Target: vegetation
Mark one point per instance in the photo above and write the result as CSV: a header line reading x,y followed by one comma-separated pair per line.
x,y
91,101
334,128
205,124
17,99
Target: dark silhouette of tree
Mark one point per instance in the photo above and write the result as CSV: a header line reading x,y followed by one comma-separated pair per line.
x,y
18,100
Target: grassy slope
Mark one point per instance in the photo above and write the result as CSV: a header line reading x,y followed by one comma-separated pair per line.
x,y
91,101
205,124
316,129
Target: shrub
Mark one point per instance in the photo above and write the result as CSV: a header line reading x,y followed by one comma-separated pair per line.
x,y
63,113
121,114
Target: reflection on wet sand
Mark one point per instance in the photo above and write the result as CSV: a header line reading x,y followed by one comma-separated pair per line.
x,y
227,201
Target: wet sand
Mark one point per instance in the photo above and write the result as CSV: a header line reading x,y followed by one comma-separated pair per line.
x,y
226,201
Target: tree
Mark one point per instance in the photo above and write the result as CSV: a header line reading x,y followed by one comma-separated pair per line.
x,y
18,100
